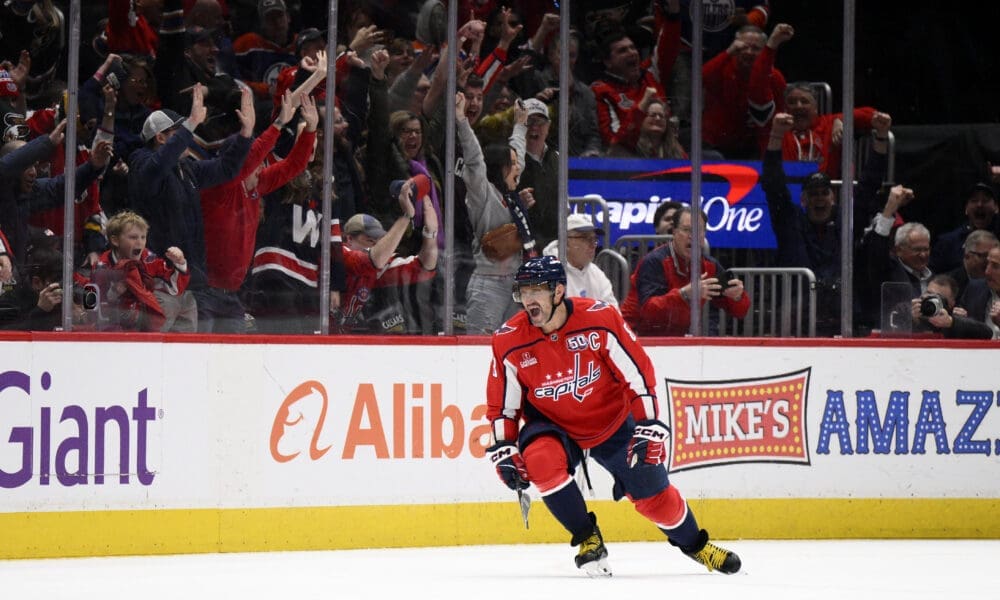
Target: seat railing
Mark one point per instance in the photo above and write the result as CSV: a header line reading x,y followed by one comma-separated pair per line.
x,y
782,304
635,247
616,268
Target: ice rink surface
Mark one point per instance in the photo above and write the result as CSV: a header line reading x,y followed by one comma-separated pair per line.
x,y
802,570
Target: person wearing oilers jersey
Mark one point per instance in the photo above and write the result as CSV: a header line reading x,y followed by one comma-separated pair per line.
x,y
568,376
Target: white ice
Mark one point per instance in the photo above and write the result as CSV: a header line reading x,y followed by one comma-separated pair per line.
x,y
803,570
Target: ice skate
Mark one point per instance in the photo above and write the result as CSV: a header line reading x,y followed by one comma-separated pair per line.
x,y
715,558
593,555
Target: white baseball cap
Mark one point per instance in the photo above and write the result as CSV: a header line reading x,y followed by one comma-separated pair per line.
x,y
535,106
159,121
582,222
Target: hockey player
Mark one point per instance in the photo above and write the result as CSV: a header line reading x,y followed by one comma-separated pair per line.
x,y
568,376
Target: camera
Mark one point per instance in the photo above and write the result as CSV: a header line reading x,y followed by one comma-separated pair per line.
x,y
931,304
88,296
725,278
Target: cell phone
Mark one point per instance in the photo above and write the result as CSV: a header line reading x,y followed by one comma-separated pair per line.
x,y
112,80
725,278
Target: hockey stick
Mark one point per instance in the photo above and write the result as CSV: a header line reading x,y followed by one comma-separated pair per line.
x,y
524,501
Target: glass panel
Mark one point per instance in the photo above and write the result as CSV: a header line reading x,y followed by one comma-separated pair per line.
x,y
247,226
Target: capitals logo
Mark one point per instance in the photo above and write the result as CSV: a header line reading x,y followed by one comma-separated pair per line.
x,y
573,383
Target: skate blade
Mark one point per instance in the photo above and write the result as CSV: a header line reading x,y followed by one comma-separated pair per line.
x,y
597,568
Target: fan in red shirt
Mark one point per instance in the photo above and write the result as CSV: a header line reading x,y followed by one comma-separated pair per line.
x,y
624,83
134,283
743,91
231,211
369,252
816,137
660,290
569,376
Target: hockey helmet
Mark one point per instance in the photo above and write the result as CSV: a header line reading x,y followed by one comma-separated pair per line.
x,y
541,269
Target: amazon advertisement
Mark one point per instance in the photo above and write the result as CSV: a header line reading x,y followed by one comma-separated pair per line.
x,y
244,425
731,195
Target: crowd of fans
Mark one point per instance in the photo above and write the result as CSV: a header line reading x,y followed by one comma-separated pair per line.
x,y
199,169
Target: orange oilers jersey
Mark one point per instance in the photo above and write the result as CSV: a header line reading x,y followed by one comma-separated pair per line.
x,y
586,377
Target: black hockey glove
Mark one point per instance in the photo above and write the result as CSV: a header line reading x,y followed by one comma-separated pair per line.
x,y
649,444
509,465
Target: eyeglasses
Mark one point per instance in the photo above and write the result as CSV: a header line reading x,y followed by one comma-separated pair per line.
x,y
409,132
979,255
587,239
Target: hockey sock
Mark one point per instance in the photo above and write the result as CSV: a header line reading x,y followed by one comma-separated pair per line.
x,y
568,507
686,536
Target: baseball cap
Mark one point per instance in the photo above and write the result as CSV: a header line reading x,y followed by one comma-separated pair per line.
x,y
309,34
536,107
196,35
816,181
266,6
422,182
159,121
366,224
582,222
432,23
983,187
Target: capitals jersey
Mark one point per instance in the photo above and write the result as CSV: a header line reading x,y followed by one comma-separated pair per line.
x,y
363,277
586,377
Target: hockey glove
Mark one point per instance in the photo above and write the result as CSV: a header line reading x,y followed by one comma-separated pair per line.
x,y
649,443
509,465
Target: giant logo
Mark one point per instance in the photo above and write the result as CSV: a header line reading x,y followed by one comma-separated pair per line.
x,y
739,421
76,444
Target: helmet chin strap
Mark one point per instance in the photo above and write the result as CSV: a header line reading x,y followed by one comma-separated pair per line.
x,y
555,305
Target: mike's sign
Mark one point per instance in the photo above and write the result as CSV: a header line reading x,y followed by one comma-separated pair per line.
x,y
731,193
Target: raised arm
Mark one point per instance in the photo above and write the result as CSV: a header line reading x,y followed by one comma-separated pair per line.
x,y
668,42
317,69
280,173
474,166
386,246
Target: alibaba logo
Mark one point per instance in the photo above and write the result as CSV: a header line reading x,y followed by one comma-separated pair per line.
x,y
291,417
741,178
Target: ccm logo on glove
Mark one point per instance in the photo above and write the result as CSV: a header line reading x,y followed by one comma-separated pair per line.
x,y
509,465
649,443
651,433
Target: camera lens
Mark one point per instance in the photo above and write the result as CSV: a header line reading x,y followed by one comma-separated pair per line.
x,y
85,296
930,306
89,299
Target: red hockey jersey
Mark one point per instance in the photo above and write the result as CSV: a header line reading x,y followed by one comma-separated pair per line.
x,y
363,277
616,99
816,143
586,377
